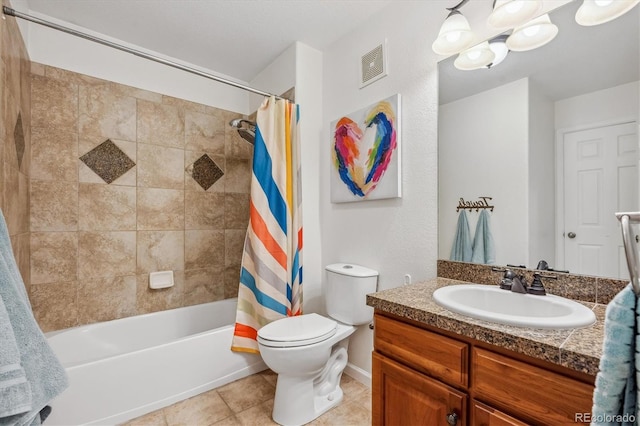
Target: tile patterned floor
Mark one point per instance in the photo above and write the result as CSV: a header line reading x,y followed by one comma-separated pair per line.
x,y
249,401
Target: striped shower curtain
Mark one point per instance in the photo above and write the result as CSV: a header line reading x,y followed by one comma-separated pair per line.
x,y
271,272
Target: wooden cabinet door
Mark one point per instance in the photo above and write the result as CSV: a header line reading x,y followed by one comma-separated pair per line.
x,y
405,397
483,415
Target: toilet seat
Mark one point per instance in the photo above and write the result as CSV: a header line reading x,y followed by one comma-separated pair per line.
x,y
296,331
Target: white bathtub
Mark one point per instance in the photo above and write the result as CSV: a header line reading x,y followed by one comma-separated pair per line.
x,y
122,369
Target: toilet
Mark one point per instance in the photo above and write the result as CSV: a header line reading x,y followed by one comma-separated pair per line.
x,y
309,352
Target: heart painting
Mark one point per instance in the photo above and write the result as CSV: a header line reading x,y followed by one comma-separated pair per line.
x,y
365,153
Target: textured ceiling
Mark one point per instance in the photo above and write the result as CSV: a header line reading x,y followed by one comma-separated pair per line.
x,y
238,38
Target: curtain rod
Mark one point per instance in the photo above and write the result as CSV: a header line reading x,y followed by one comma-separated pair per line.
x,y
12,12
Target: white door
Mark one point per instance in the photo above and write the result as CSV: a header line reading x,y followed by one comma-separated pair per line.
x,y
600,178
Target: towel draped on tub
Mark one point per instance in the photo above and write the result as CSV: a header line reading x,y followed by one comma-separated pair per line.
x,y
30,374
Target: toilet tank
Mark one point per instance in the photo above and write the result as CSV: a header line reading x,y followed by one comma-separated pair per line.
x,y
346,290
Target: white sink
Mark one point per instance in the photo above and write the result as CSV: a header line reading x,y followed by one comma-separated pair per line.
x,y
490,303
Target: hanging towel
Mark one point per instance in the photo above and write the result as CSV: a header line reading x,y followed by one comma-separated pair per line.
x,y
484,250
271,273
30,374
616,392
461,250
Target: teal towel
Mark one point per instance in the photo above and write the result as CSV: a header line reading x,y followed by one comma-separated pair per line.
x,y
33,374
484,249
461,250
616,392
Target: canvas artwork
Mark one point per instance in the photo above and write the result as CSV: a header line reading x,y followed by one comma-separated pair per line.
x,y
365,150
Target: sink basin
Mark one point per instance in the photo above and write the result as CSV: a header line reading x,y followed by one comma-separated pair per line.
x,y
490,303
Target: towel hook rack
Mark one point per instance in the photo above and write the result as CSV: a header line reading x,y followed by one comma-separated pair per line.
x,y
481,203
626,220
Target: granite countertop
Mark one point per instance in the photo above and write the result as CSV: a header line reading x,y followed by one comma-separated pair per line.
x,y
578,349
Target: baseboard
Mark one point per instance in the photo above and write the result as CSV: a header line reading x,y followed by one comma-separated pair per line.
x,y
358,374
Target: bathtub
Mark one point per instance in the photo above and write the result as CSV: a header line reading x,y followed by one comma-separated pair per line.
x,y
122,369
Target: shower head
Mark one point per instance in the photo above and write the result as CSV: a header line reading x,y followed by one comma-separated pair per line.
x,y
247,133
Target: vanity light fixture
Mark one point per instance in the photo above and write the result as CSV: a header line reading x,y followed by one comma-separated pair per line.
x,y
595,12
498,46
513,13
455,33
478,56
533,34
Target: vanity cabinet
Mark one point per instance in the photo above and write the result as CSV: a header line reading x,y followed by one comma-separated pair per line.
x,y
423,377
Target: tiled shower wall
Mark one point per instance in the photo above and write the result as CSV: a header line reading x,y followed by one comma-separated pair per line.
x,y
178,199
15,139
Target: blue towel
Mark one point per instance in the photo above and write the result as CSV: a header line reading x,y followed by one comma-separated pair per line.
x,y
616,392
30,373
484,249
461,250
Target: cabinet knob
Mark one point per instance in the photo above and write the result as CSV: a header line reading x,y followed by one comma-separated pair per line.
x,y
452,418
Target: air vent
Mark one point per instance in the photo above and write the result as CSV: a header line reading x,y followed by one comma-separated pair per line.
x,y
373,65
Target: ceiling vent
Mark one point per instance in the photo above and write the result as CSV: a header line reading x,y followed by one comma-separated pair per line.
x,y
373,65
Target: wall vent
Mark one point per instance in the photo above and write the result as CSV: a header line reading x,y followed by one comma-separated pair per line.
x,y
373,65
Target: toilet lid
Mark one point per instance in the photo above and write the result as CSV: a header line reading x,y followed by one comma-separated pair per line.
x,y
297,331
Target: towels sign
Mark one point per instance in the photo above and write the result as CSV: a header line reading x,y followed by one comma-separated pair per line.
x,y
481,203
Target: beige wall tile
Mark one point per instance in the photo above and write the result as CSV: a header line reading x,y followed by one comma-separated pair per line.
x,y
204,132
183,104
37,69
234,246
160,124
190,184
106,208
21,246
104,299
203,285
54,154
238,176
105,114
231,281
160,167
155,418
204,210
54,257
149,300
54,103
10,116
236,211
106,254
11,195
160,251
160,209
85,174
204,249
54,206
55,305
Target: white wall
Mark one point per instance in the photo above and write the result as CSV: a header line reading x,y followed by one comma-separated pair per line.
x,y
394,236
278,77
61,50
483,151
541,178
598,107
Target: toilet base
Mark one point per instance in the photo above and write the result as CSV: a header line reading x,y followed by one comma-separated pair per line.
x,y
300,400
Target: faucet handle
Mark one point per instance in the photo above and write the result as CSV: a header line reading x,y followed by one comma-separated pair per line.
x,y
536,286
507,280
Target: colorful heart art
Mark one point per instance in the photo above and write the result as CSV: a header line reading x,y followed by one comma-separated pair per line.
x,y
362,156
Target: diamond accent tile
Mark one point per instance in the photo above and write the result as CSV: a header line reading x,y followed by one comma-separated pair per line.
x,y
108,161
206,172
18,137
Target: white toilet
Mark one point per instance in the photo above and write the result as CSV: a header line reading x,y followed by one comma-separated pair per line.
x,y
309,352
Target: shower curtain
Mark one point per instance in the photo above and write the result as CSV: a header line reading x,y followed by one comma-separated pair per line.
x,y
271,273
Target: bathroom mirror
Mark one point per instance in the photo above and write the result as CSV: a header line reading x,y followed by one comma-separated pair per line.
x,y
549,139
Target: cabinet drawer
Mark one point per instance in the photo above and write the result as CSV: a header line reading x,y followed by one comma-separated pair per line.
x,y
482,415
531,393
438,356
